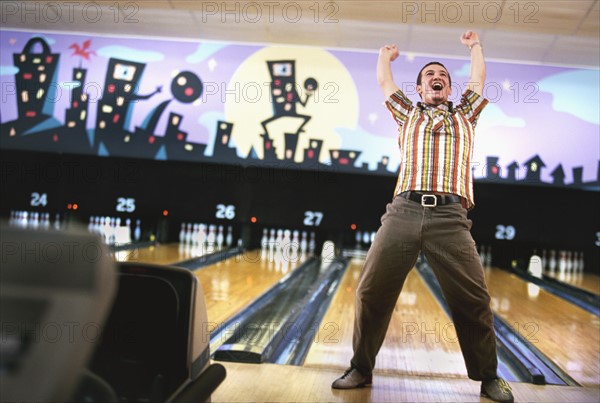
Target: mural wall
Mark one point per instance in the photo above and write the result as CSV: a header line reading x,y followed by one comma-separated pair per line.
x,y
287,107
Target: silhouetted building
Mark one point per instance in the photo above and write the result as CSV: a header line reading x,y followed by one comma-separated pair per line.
x,y
313,152
121,82
269,151
492,168
344,158
222,150
72,137
291,142
578,176
512,172
534,169
114,109
35,95
178,148
382,166
284,92
76,114
558,175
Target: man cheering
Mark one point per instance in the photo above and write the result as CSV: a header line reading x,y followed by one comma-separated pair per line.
x,y
429,214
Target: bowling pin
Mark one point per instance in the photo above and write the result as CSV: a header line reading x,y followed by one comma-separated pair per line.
x,y
303,243
202,237
182,233
24,219
562,263
137,232
188,233
211,238
552,261
295,246
544,260
278,246
111,231
285,247
366,238
128,233
576,262
488,256
272,241
46,224
35,220
312,245
229,237
196,235
264,245
264,241
220,238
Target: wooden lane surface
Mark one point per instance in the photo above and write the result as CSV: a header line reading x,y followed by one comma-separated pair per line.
x,y
586,281
421,339
229,285
234,283
166,254
285,383
567,334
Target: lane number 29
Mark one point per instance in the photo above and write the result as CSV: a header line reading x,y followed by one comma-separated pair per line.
x,y
506,232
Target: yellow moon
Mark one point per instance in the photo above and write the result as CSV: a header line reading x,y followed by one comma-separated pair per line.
x,y
248,101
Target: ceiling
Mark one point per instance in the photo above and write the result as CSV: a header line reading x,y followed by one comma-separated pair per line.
x,y
550,32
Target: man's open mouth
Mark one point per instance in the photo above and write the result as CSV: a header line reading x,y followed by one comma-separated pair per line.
x,y
437,86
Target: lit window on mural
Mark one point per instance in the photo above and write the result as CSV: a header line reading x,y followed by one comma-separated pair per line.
x,y
123,72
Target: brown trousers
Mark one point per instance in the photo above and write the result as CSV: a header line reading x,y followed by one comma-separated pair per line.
x,y
442,233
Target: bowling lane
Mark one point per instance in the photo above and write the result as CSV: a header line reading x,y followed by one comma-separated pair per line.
x,y
586,281
166,254
567,334
421,339
229,285
232,284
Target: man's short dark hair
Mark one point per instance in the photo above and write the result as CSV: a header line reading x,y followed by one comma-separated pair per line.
x,y
429,64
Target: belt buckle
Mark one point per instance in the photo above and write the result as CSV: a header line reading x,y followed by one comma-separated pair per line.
x,y
425,198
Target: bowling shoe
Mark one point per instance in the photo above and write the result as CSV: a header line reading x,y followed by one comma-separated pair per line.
x,y
498,390
352,379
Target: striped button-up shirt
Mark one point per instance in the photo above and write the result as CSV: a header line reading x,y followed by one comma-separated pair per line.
x,y
436,144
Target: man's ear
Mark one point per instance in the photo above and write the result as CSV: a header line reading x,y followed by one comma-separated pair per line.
x,y
420,91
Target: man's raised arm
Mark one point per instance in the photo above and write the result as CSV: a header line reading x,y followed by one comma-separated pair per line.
x,y
471,40
387,55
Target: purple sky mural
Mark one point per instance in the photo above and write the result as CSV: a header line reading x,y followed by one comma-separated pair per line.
x,y
546,111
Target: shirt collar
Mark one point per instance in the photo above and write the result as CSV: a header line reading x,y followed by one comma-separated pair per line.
x,y
446,106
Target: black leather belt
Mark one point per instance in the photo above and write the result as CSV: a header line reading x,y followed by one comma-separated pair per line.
x,y
431,200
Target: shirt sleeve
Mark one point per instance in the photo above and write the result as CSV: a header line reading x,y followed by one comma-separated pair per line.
x,y
471,105
399,106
